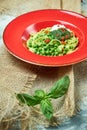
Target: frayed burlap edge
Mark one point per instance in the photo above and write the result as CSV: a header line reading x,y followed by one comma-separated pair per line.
x,y
31,78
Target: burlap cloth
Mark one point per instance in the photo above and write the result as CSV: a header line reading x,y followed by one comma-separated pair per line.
x,y
16,77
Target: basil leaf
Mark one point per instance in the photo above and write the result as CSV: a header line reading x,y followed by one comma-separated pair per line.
x,y
59,88
46,108
54,34
39,94
59,33
27,99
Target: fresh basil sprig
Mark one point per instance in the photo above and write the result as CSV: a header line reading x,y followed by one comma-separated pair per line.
x,y
44,99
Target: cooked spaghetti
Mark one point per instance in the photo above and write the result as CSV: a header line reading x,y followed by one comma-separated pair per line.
x,y
53,41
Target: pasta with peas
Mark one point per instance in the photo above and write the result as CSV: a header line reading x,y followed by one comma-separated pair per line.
x,y
53,41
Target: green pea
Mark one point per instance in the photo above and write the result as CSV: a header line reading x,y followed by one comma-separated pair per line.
x,y
56,53
66,49
38,52
64,52
30,44
51,43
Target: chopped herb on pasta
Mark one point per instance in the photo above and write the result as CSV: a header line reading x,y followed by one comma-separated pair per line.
x,y
53,41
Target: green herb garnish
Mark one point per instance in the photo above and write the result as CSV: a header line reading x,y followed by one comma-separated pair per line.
x,y
44,99
61,34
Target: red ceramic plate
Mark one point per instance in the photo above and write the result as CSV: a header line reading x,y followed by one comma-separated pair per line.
x,y
17,32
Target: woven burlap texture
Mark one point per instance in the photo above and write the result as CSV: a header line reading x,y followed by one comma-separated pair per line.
x,y
17,76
